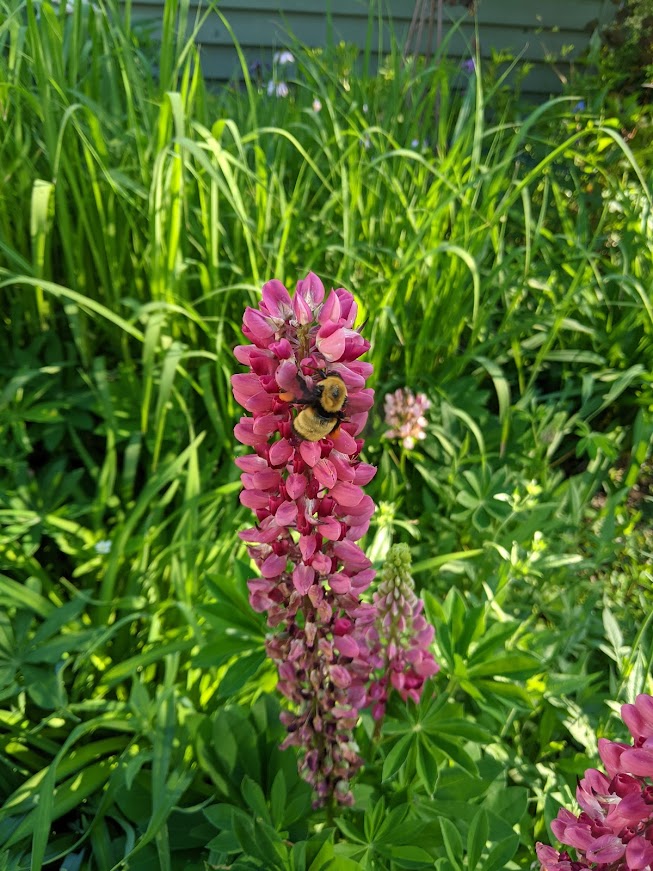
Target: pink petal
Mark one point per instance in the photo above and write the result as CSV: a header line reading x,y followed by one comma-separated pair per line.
x,y
265,424
251,463
360,401
307,546
348,306
345,443
321,563
301,309
311,289
340,676
325,472
286,514
310,452
244,433
266,533
281,452
340,583
260,327
347,495
254,499
361,580
610,753
351,555
295,485
257,404
273,566
342,465
267,480
286,377
639,853
607,848
277,299
282,349
330,528
302,578
330,311
346,645
331,346
364,474
637,761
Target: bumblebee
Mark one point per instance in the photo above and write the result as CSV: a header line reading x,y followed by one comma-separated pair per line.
x,y
323,411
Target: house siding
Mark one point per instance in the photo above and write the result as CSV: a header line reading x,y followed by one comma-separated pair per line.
x,y
534,31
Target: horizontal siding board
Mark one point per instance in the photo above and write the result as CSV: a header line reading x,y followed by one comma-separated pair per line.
x,y
563,14
531,30
256,34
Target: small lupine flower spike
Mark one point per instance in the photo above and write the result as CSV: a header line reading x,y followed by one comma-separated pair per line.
x,y
614,831
404,413
310,509
401,637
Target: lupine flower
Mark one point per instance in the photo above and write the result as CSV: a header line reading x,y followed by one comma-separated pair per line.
x,y
401,636
614,831
310,509
469,65
404,412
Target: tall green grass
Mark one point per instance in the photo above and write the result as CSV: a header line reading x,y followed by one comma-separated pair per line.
x,y
503,265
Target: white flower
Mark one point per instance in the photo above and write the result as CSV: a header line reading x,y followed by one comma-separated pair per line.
x,y
277,89
364,108
283,57
103,546
316,105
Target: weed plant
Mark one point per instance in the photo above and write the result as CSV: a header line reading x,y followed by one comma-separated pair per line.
x,y
501,255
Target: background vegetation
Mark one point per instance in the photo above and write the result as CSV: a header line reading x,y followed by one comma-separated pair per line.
x,y
502,256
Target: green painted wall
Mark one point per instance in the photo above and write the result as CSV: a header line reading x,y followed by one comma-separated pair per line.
x,y
533,29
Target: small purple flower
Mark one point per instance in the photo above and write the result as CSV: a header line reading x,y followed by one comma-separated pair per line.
x,y
579,107
469,65
404,413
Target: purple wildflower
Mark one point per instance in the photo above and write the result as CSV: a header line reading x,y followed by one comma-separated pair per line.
x,y
404,413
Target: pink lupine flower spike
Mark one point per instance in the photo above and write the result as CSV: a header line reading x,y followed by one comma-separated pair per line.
x,y
614,831
310,510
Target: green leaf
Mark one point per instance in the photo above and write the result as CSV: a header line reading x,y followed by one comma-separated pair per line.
x,y
239,673
501,854
477,838
426,765
453,843
397,756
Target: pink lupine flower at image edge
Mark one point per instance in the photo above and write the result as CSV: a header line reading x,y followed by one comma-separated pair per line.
x,y
311,510
614,831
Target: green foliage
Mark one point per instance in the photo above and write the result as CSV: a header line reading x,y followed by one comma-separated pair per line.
x,y
504,266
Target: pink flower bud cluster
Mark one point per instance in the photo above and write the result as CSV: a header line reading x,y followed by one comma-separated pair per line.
x,y
404,412
310,509
402,635
614,831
